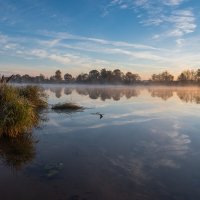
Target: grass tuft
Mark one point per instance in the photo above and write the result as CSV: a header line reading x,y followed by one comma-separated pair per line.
x,y
67,106
19,109
35,95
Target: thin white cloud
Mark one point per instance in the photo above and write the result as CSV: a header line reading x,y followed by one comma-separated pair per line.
x,y
89,53
164,13
172,2
58,36
3,39
180,42
64,59
183,22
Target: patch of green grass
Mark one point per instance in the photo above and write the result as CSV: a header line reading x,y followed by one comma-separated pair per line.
x,y
67,106
19,109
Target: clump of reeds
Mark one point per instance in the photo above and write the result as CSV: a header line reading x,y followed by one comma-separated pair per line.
x,y
67,106
35,95
19,109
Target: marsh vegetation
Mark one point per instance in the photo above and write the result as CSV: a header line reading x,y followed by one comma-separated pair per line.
x,y
19,109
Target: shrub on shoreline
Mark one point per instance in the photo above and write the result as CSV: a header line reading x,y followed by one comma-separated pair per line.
x,y
19,109
35,95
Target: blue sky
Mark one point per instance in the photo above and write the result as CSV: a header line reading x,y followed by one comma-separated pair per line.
x,y
143,36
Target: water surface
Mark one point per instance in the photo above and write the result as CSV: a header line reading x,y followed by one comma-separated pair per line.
x,y
146,147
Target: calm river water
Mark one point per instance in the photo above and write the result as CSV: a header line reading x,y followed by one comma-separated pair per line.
x,y
145,147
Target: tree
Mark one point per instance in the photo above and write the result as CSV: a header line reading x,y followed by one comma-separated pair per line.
x,y
131,78
68,77
162,77
155,77
82,78
52,78
118,76
41,78
26,78
94,76
105,76
182,77
58,75
187,75
17,78
166,76
198,75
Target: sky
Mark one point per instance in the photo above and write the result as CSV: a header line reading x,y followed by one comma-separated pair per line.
x,y
76,36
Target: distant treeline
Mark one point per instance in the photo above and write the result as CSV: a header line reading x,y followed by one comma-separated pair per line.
x,y
112,77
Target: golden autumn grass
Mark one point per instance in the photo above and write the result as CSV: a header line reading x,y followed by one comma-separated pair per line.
x,y
19,109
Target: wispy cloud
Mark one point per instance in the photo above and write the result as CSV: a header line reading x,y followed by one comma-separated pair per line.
x,y
173,21
183,22
58,36
172,2
79,52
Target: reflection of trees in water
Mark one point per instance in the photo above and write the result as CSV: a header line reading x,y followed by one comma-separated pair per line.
x,y
163,93
82,91
132,93
108,93
57,91
94,94
189,95
103,93
67,91
17,152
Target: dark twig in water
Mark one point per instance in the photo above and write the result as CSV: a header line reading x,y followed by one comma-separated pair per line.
x,y
98,113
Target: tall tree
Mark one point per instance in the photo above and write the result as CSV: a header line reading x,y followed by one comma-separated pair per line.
x,y
58,75
187,75
118,76
131,78
82,78
94,76
163,77
198,75
68,77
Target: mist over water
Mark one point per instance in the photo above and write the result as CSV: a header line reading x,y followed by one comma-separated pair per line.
x,y
103,93
146,146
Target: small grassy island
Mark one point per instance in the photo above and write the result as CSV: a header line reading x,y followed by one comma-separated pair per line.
x,y
19,109
67,106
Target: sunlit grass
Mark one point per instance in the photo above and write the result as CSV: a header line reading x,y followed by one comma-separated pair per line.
x,y
35,95
19,109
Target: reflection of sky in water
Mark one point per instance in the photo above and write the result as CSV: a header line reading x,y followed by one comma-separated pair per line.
x,y
146,146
